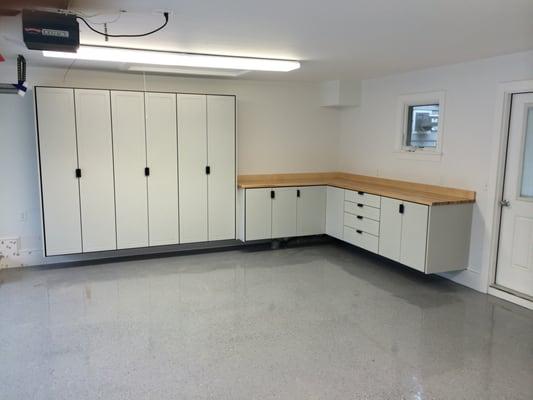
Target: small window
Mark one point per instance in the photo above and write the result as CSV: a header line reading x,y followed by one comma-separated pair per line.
x,y
422,130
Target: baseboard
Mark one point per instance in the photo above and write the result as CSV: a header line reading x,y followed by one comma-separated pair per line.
x,y
510,297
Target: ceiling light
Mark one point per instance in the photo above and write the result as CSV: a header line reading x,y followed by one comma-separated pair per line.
x,y
152,57
187,70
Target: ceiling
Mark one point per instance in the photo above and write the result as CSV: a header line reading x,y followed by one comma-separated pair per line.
x,y
337,39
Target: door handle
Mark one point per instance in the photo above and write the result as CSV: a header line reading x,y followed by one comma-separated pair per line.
x,y
401,209
207,170
147,171
272,194
78,172
298,193
505,203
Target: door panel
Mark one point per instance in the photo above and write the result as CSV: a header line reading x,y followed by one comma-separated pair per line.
x,y
162,159
258,218
95,153
58,162
192,159
414,235
390,229
311,210
221,159
129,149
515,252
284,213
335,212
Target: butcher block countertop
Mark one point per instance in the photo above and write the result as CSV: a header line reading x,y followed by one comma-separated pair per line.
x,y
430,195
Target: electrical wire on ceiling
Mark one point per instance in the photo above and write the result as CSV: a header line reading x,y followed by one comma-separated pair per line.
x,y
84,20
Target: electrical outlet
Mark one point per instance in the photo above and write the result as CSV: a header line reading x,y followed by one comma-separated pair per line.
x,y
9,246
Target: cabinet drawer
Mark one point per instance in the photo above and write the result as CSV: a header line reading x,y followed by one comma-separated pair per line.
x,y
361,209
359,222
361,239
363,198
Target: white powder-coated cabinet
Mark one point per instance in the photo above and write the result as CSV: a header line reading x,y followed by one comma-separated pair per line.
x,y
276,213
284,205
258,214
58,162
390,229
335,212
114,163
95,153
403,232
192,157
162,161
221,161
311,210
129,148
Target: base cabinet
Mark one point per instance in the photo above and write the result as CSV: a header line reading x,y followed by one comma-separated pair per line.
x,y
430,239
258,214
335,212
274,213
311,210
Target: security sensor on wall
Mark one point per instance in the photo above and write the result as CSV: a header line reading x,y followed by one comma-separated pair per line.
x,y
20,87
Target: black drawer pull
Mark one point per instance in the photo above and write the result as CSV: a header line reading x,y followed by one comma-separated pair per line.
x,y
207,170
359,205
359,231
298,193
147,171
401,209
272,194
359,217
361,193
78,172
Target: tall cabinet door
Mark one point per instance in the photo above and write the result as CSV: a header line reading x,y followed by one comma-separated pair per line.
x,y
95,152
162,161
192,159
390,229
129,149
221,161
414,235
284,213
311,210
58,162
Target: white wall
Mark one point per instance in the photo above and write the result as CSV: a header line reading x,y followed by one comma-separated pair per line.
x,y
368,134
281,127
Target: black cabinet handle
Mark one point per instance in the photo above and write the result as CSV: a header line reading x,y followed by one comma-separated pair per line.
x,y
78,173
401,209
361,193
359,217
298,193
272,194
147,171
207,170
359,205
359,231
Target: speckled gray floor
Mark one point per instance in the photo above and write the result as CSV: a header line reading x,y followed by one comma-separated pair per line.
x,y
322,322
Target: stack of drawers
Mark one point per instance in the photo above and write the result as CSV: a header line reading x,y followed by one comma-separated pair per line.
x,y
361,219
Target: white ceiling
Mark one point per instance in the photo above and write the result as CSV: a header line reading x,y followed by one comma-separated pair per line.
x,y
335,39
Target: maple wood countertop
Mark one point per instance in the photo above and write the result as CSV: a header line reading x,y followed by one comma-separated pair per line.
x,y
430,195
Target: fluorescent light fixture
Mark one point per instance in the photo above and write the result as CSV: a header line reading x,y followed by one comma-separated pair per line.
x,y
153,57
187,70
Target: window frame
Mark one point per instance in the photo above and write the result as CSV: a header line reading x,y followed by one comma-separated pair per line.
x,y
419,99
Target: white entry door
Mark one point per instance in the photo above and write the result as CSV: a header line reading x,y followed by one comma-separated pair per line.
x,y
515,252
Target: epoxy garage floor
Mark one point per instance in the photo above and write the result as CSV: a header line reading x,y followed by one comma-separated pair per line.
x,y
321,322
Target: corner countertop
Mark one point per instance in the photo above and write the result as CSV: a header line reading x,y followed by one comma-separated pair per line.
x,y
430,195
